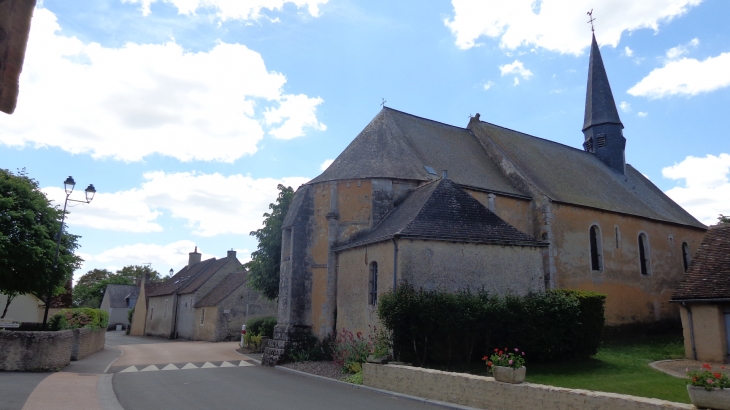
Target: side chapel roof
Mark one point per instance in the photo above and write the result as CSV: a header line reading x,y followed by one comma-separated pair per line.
x,y
441,210
708,276
573,176
398,145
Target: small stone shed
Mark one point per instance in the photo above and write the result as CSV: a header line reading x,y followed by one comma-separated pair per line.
x,y
439,237
117,301
704,298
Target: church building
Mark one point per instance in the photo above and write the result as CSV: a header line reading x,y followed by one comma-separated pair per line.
x,y
445,207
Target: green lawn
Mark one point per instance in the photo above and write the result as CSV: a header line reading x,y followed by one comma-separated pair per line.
x,y
619,367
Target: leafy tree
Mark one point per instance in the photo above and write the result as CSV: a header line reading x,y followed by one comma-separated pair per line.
x,y
724,219
29,224
89,290
263,269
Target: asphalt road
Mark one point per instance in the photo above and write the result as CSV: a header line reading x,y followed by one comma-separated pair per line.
x,y
250,388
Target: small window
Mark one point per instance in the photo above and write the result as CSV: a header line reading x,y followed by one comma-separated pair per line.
x,y
164,313
202,316
617,233
152,310
601,140
596,248
373,286
686,256
644,254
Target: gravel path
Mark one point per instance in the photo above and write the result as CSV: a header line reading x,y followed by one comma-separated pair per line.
x,y
324,369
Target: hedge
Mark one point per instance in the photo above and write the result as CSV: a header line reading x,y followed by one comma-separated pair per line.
x,y
431,326
263,326
78,318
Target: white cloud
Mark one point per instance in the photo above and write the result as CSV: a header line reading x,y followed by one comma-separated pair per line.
x,y
210,204
628,52
232,9
326,164
130,102
706,192
625,107
516,81
686,76
488,85
516,68
642,114
553,26
676,52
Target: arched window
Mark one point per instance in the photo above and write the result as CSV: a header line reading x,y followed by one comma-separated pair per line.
x,y
373,285
644,254
596,249
686,256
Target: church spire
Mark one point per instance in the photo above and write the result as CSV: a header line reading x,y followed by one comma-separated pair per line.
x,y
602,126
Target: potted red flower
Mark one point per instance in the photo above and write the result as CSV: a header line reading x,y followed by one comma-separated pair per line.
x,y
709,389
507,366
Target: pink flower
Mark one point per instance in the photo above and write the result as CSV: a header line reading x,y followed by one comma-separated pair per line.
x,y
523,353
517,350
510,362
710,381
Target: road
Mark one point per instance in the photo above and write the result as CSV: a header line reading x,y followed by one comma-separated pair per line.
x,y
143,373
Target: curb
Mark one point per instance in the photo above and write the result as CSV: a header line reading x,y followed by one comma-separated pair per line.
x,y
438,403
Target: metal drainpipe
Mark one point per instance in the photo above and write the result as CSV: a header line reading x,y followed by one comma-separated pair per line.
x,y
395,264
691,331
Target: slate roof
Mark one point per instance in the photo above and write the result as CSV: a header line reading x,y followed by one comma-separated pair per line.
x,y
441,210
708,276
189,278
573,176
118,293
15,16
600,105
398,145
230,283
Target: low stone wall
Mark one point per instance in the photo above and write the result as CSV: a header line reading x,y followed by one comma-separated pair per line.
x,y
486,393
86,342
35,351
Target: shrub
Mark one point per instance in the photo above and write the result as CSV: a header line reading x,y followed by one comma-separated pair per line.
x,y
442,327
78,318
351,350
263,326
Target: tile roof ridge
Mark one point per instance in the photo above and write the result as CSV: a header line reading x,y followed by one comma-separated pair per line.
x,y
422,118
534,136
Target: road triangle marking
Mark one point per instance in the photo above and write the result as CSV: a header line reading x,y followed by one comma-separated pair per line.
x,y
170,367
226,364
243,363
190,366
150,368
129,369
208,365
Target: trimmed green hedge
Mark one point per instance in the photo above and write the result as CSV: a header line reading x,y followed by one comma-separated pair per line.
x,y
440,327
263,326
78,318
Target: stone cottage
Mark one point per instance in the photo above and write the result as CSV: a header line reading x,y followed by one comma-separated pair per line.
x,y
703,297
597,222
118,301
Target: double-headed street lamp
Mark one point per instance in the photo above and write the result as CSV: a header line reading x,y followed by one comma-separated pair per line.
x,y
68,186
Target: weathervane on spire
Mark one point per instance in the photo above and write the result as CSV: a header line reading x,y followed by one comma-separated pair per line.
x,y
590,14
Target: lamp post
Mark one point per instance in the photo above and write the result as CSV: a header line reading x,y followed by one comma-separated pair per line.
x,y
68,186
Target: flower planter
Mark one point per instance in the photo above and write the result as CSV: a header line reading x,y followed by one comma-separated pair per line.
x,y
509,374
377,360
718,399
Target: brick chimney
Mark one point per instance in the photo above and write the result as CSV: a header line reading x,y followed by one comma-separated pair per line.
x,y
232,254
194,257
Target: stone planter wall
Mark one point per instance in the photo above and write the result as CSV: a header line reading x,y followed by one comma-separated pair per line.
x,y
486,393
86,342
35,351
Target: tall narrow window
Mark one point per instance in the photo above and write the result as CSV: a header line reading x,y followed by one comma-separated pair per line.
x,y
618,237
164,313
686,256
644,254
152,310
202,316
596,257
373,285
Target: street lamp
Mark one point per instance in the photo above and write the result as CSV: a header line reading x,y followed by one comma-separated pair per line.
x,y
68,186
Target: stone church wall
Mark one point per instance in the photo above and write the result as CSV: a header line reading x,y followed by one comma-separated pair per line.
x,y
515,211
159,316
632,297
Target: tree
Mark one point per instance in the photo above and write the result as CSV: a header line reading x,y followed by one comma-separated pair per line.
x,y
723,219
263,269
29,224
89,290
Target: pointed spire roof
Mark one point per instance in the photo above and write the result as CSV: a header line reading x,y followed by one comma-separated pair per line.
x,y
600,105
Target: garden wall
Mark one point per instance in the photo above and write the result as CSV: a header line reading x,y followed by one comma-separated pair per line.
x,y
35,351
486,393
87,341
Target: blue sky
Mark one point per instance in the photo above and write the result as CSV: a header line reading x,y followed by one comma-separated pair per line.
x,y
186,114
